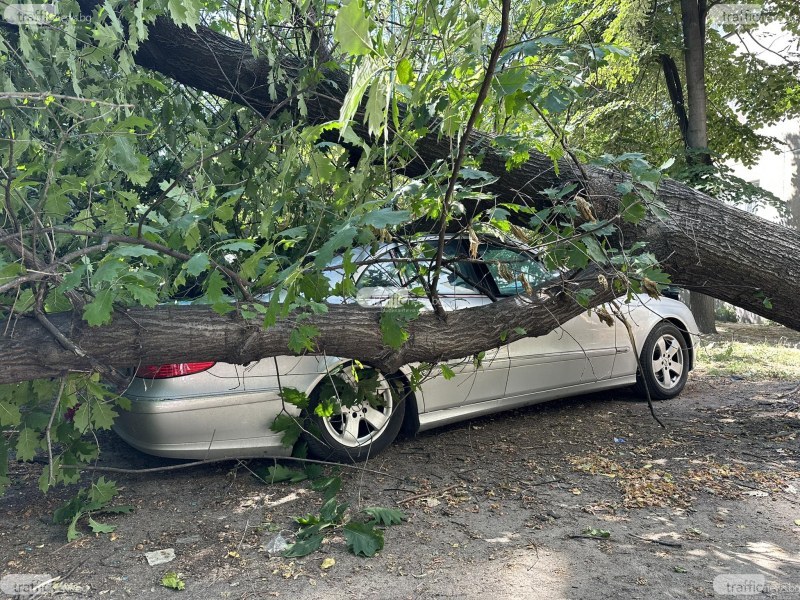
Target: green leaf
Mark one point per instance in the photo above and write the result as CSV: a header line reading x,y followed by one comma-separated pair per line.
x,y
191,239
280,473
509,81
294,397
329,487
215,289
404,71
302,339
111,269
103,415
363,76
385,217
326,407
594,250
304,547
470,173
27,444
98,311
102,491
134,251
394,322
385,516
100,527
447,372
351,29
72,528
290,428
596,533
314,286
122,153
363,539
67,511
144,296
308,521
332,511
377,105
342,238
9,414
197,264
583,297
632,209
80,418
172,581
237,246
185,12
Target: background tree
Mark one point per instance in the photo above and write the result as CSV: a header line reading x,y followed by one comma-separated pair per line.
x,y
655,99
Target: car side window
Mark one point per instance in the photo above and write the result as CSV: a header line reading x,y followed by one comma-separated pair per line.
x,y
452,282
455,277
510,268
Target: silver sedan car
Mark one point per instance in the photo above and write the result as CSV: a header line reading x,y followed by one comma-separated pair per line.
x,y
211,410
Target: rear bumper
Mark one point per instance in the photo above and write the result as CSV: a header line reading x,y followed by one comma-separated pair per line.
x,y
218,426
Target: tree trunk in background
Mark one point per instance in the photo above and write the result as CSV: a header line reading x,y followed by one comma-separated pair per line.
x,y
704,311
793,141
693,15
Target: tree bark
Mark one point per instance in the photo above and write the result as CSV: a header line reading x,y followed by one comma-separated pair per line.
x,y
693,15
694,55
169,334
704,311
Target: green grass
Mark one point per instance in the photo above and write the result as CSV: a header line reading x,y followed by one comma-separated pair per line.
x,y
749,360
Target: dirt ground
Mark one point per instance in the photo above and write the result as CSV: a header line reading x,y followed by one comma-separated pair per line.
x,y
495,507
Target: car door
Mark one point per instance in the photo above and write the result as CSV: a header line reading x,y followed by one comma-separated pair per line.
x,y
581,351
476,379
468,380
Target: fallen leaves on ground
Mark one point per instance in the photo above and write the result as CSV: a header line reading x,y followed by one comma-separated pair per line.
x,y
648,486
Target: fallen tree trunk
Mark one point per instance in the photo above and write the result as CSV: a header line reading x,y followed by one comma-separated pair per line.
x,y
168,334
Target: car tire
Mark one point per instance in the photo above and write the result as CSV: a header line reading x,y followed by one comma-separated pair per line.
x,y
360,431
663,363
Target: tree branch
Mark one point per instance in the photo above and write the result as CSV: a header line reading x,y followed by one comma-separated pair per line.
x,y
500,42
176,333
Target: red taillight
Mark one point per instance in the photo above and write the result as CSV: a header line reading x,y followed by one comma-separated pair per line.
x,y
176,370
